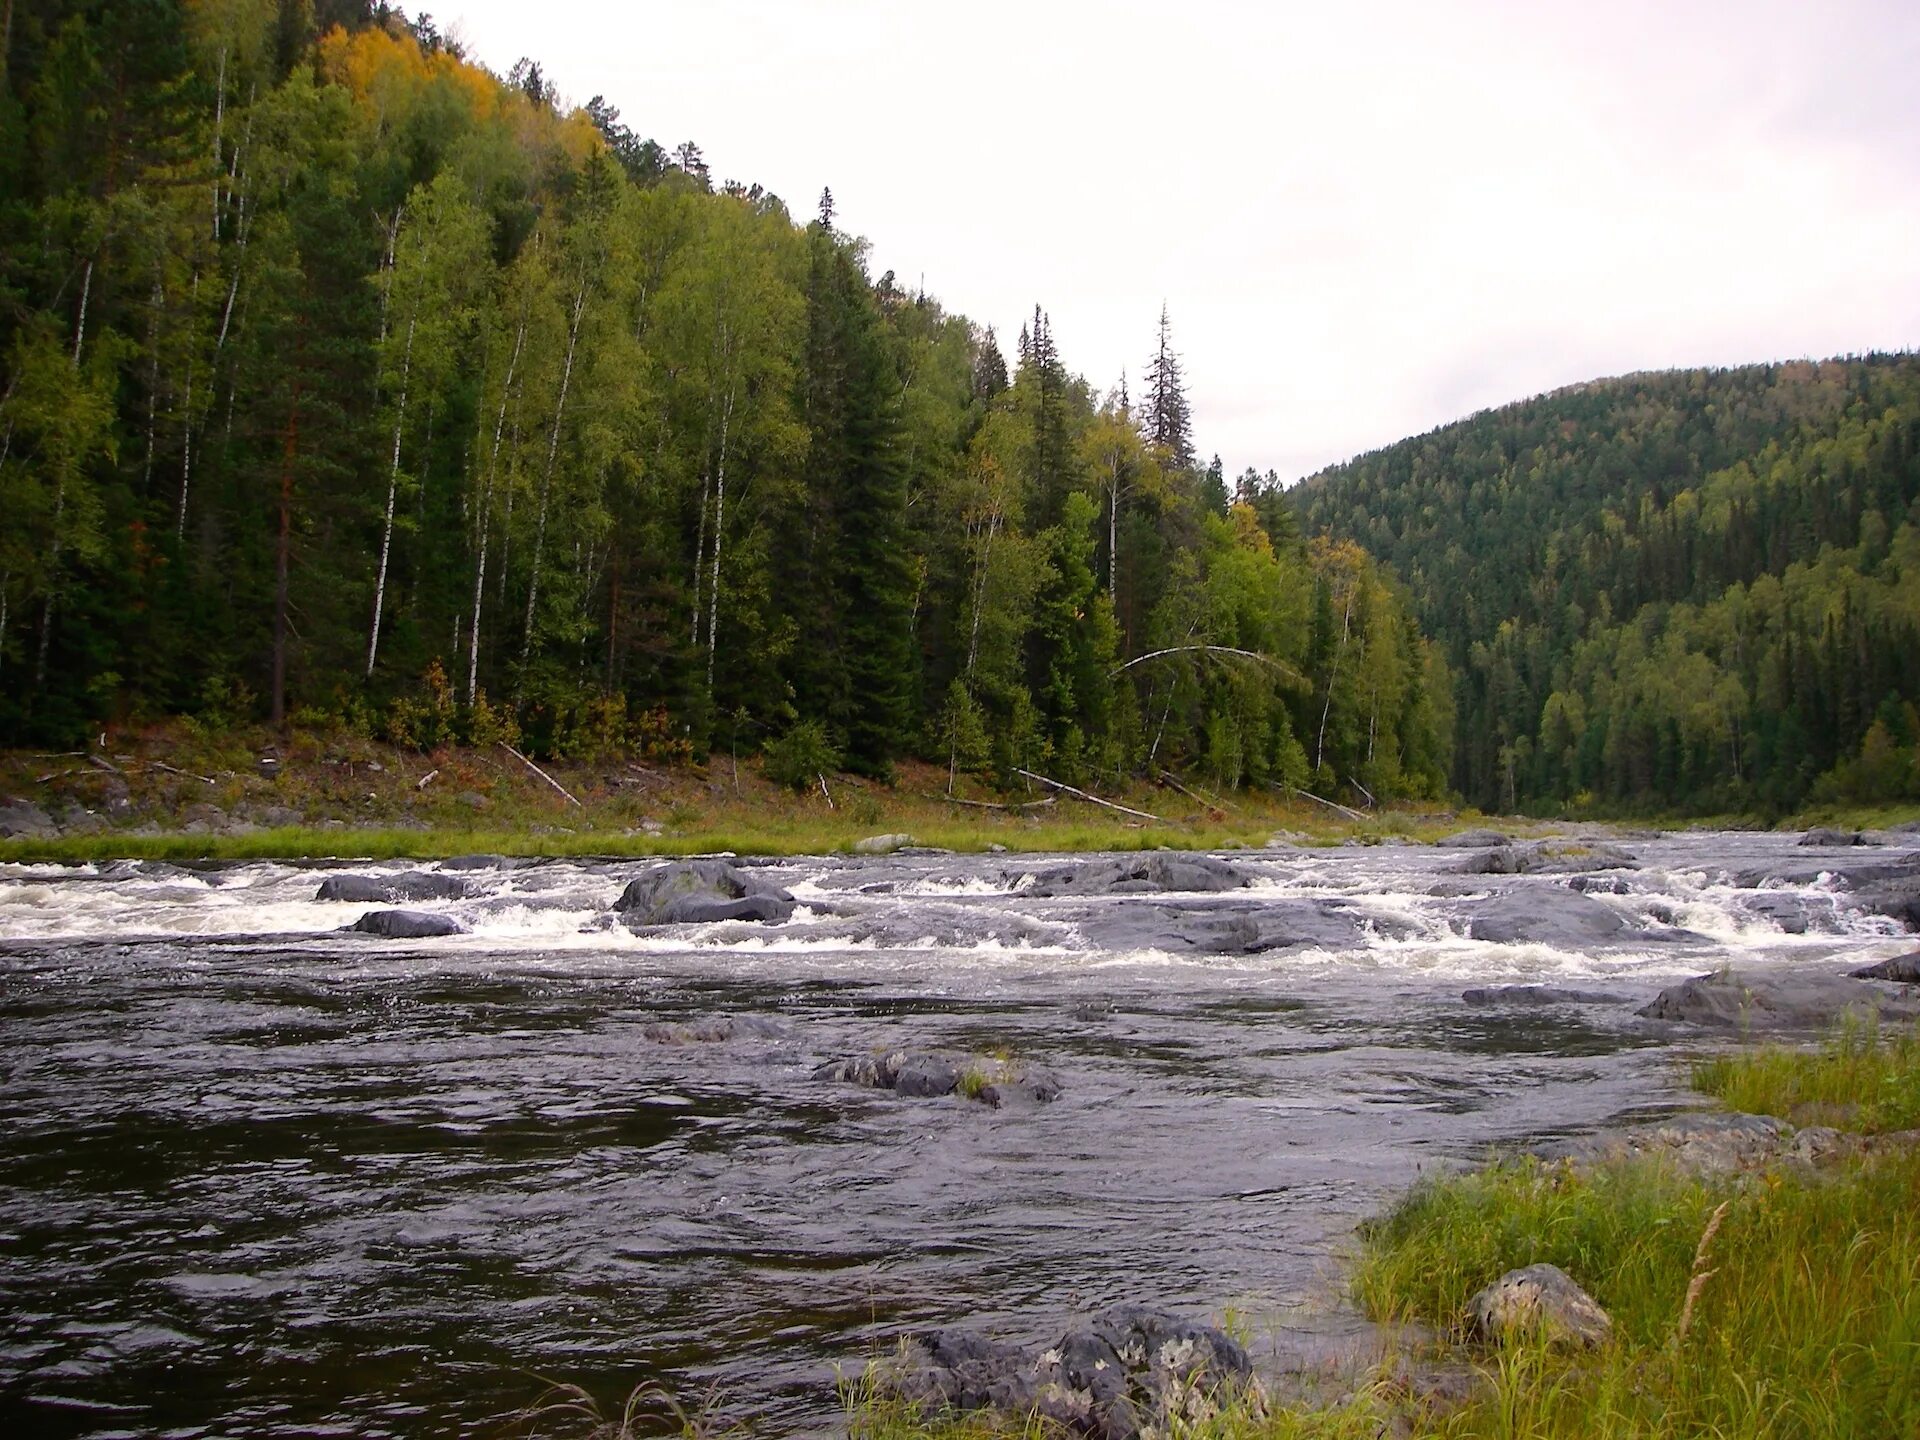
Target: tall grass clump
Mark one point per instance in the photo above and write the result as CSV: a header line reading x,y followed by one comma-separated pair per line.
x,y
1860,1080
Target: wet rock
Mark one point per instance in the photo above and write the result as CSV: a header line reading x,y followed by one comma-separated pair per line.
x,y
378,889
1823,838
715,1030
1539,1300
701,891
1232,928
881,844
1140,874
406,925
1543,915
1539,995
1896,899
23,821
1549,857
1902,968
1130,1372
1890,870
1784,1000
930,1075
1474,840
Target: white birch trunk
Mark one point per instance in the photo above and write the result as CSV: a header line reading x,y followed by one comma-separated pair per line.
x,y
393,490
486,515
719,518
546,480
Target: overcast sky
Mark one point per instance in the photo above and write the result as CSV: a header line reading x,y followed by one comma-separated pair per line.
x,y
1365,219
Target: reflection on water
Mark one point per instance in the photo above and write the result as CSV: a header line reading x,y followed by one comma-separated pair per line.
x,y
261,1179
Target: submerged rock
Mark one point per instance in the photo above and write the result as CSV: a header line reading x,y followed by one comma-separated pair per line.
x,y
1130,1372
701,892
714,1030
1539,1300
406,925
929,1075
1138,874
1538,995
409,885
1786,1000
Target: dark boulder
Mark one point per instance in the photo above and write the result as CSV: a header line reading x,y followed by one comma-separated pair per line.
x,y
1756,1002
406,925
1128,1373
1542,915
1140,874
390,889
701,891
1823,838
1902,968
1538,995
1237,927
929,1075
1474,840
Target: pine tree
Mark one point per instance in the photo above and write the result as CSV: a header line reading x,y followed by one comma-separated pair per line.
x,y
1165,420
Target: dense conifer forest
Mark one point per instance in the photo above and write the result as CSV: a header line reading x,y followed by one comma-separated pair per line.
x,y
1693,590
348,383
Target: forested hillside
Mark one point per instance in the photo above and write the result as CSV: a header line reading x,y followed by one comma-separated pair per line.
x,y
346,382
1698,589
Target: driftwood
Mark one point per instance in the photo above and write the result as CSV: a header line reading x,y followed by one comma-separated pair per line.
x,y
541,773
183,774
990,805
1295,790
1090,799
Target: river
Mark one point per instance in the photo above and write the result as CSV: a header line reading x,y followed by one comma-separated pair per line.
x,y
262,1178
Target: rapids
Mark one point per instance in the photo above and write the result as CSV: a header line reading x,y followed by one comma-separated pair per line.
x,y
259,1177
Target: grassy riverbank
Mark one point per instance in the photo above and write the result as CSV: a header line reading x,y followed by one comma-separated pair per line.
x,y
182,793
1779,1302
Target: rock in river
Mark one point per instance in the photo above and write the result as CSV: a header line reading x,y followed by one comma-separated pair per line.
x,y
1823,838
1542,914
928,1075
1538,995
1903,968
1549,857
1138,874
699,892
1130,1372
388,889
1473,840
406,925
1787,1000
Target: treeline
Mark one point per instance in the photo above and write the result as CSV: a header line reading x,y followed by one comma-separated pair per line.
x,y
348,382
1698,589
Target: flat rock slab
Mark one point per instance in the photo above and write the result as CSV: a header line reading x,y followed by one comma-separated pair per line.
x,y
1539,1300
1905,969
389,889
1129,1373
406,925
930,1075
1543,914
1231,928
1778,1001
1140,874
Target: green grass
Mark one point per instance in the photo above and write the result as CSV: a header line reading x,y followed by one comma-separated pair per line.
x,y
1862,1080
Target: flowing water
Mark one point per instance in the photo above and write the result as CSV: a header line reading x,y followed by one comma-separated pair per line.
x,y
259,1177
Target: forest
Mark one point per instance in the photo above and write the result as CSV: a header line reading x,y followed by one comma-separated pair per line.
x,y
350,383
1696,590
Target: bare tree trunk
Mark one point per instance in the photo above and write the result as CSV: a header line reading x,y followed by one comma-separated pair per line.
x,y
486,514
1346,623
393,491
80,325
719,517
980,592
156,301
219,118
282,565
546,480
700,551
1113,541
6,580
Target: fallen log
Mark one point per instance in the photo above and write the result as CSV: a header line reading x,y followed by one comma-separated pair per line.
x,y
541,773
1090,799
1295,790
989,804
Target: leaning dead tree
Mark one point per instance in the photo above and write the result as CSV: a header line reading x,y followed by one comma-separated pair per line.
x,y
1218,651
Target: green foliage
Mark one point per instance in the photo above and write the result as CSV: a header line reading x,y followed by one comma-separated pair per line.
x,y
800,757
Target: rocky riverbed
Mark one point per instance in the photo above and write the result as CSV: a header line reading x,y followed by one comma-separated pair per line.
x,y
285,1148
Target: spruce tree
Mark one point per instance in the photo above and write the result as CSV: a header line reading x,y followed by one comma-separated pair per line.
x,y
1165,420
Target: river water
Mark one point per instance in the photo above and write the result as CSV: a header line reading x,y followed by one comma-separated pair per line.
x,y
259,1177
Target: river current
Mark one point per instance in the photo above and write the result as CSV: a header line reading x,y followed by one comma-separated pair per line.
x,y
259,1177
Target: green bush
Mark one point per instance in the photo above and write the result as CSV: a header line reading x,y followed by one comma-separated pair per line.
x,y
798,758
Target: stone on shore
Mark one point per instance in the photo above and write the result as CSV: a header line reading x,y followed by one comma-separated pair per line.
x,y
1129,1373
1539,1300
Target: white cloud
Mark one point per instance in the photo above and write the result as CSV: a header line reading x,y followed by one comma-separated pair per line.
x,y
1366,220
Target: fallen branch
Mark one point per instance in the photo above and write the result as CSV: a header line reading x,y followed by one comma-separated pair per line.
x,y
990,805
53,775
1276,666
823,788
1372,804
183,774
541,773
426,779
1295,790
1090,799
1167,779
100,762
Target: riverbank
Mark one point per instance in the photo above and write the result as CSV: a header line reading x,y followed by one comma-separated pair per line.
x,y
180,793
1771,1289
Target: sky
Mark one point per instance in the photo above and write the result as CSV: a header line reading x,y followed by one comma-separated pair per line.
x,y
1363,219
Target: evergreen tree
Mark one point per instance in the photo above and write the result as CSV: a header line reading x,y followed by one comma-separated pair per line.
x,y
1164,418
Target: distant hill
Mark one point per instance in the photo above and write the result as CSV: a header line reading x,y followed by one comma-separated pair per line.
x,y
1694,589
